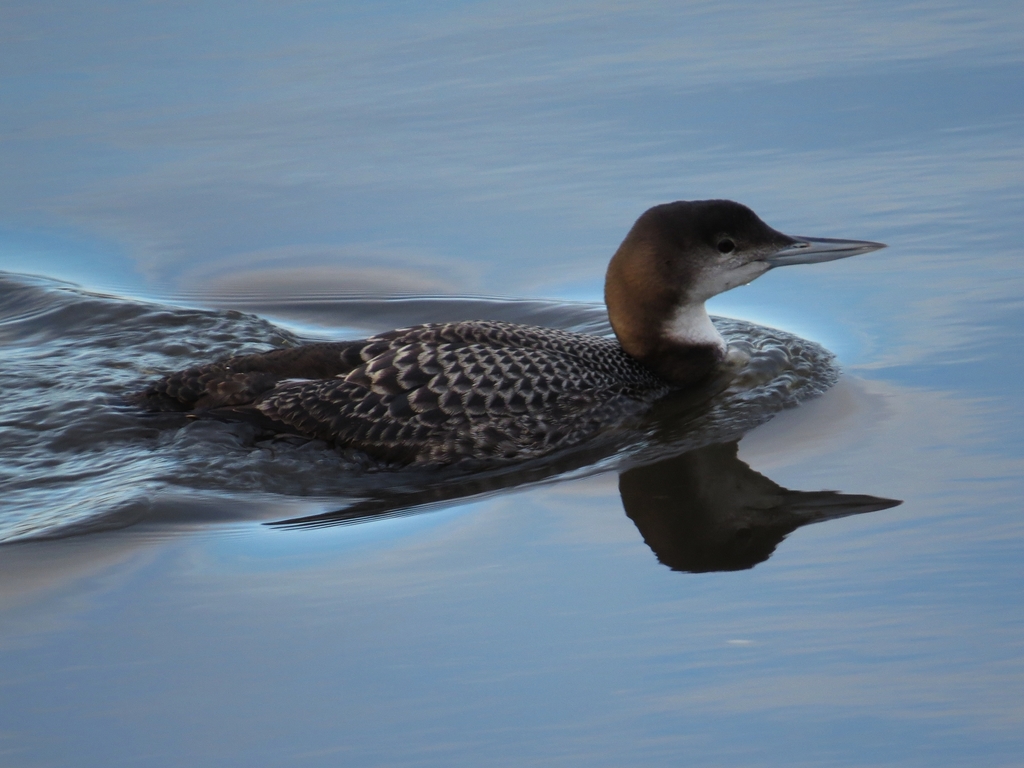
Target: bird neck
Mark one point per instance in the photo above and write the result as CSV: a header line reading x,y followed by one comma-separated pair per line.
x,y
676,340
654,319
690,325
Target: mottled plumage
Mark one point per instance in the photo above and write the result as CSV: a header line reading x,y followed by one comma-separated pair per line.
x,y
436,393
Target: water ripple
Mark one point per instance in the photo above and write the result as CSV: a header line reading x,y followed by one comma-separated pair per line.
x,y
75,457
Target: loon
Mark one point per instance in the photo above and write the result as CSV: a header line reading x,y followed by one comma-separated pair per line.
x,y
482,391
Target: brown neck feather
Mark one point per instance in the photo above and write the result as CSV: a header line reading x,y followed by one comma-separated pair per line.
x,y
641,293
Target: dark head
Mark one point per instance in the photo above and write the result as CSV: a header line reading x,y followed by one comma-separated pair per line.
x,y
676,257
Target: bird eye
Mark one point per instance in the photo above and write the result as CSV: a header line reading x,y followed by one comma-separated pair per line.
x,y
726,246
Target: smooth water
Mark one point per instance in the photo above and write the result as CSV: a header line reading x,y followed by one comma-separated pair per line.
x,y
186,181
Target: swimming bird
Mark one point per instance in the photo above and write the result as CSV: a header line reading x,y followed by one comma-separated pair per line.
x,y
483,391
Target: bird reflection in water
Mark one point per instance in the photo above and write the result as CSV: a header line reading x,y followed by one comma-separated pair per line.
x,y
706,510
699,511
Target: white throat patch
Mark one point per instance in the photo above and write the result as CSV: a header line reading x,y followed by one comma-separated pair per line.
x,y
691,325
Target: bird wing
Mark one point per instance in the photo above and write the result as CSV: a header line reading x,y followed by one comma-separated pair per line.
x,y
240,380
427,401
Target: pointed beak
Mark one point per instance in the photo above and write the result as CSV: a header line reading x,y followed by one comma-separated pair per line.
x,y
811,250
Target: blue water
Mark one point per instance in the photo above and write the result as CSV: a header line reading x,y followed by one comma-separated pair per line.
x,y
246,170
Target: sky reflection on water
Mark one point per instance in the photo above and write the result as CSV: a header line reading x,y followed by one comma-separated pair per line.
x,y
257,152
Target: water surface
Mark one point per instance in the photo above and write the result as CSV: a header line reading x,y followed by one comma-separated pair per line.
x,y
243,176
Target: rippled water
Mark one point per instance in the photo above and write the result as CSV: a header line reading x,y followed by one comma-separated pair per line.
x,y
79,457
